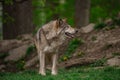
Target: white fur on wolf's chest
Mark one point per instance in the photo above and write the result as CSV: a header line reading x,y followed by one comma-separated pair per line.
x,y
54,45
51,48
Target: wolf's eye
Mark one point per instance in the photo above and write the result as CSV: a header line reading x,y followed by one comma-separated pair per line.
x,y
67,26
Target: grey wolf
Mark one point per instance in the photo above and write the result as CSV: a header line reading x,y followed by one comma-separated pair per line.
x,y
49,38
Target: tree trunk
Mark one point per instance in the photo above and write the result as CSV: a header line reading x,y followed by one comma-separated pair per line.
x,y
0,21
17,19
82,12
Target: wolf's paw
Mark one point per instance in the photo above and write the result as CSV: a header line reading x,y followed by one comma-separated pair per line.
x,y
54,73
42,73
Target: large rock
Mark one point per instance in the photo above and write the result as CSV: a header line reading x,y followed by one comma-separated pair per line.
x,y
114,61
17,53
25,37
88,28
108,22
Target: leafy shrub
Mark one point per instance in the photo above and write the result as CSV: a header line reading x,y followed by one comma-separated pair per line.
x,y
30,49
3,55
103,9
73,45
20,64
100,26
116,21
97,12
116,53
100,62
80,54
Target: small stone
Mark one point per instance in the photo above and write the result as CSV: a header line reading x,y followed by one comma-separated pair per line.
x,y
113,61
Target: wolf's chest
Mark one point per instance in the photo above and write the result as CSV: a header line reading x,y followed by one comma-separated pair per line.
x,y
53,47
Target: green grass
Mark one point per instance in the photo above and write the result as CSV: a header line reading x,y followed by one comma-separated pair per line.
x,y
108,73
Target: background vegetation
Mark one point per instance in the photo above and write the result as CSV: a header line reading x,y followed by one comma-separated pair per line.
x,y
100,10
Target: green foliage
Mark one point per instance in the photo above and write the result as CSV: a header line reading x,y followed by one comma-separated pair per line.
x,y
103,9
20,64
39,6
38,3
8,18
80,54
73,45
8,2
110,27
113,24
116,21
99,26
100,62
52,10
116,53
97,13
100,10
3,55
109,69
30,49
107,73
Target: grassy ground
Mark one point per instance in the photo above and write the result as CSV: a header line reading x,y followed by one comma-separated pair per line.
x,y
108,73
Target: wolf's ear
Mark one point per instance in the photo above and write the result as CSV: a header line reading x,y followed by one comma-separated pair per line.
x,y
59,22
65,20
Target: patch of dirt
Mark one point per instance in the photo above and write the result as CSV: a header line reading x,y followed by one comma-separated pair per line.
x,y
99,43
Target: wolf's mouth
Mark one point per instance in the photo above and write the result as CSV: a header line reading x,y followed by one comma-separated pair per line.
x,y
69,35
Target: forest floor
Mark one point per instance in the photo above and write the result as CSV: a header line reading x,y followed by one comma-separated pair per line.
x,y
81,73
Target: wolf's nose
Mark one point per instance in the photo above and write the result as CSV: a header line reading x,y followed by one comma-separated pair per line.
x,y
76,31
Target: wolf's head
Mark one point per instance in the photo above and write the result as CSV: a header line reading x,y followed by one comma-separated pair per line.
x,y
65,29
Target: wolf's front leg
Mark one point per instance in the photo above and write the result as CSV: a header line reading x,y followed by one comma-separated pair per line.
x,y
54,66
42,64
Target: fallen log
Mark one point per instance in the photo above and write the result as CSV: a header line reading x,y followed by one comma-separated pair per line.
x,y
77,61
31,62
